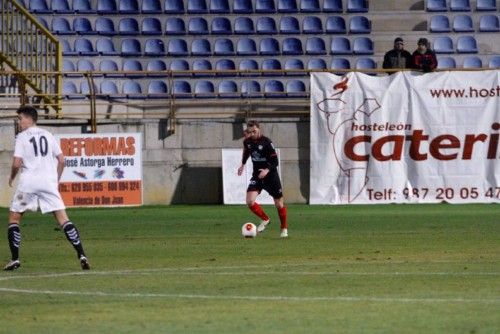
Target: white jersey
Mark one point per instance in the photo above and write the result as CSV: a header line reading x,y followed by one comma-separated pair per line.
x,y
38,150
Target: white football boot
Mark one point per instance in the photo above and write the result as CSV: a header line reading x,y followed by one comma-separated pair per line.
x,y
284,233
262,226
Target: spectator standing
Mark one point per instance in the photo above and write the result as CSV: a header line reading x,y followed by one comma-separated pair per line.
x,y
424,59
398,57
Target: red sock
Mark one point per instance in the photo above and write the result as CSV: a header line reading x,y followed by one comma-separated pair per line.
x,y
258,211
282,214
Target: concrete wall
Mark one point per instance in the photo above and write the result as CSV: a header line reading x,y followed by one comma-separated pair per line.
x,y
185,167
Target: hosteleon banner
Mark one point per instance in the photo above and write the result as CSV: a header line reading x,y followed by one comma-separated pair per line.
x,y
101,169
405,138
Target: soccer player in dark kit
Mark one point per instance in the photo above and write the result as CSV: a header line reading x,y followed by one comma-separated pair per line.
x,y
265,175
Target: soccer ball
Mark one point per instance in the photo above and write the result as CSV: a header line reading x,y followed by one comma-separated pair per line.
x,y
249,230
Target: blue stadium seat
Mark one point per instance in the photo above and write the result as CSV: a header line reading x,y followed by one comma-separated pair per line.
x,y
489,23
357,6
310,6
68,66
151,26
446,62
251,88
340,46
128,26
463,23
246,47
460,5
223,65
181,89
315,46
132,90
61,7
292,46
108,66
83,47
439,23
316,64
154,47
363,46
296,88
289,25
107,7
228,89
197,7
175,26
61,26
201,47
242,6
82,26
39,7
359,25
494,62
223,47
177,47
109,90
443,44
180,68
151,7
85,65
128,7
43,23
274,88
202,65
174,7
294,66
132,65
250,65
269,46
436,6
219,7
198,26
472,62
266,25
340,64
156,66
486,5
221,26
85,88
272,65
204,89
157,89
467,44
287,6
70,91
312,25
83,7
244,26
105,26
366,64
131,47
332,6
335,25
106,47
265,6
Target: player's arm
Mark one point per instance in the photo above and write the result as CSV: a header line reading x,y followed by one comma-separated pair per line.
x,y
244,158
60,165
272,161
16,165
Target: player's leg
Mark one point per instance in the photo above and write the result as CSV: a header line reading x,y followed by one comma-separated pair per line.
x,y
273,187
14,237
280,205
253,191
72,235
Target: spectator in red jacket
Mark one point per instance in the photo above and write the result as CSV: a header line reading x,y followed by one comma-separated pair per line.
x,y
423,58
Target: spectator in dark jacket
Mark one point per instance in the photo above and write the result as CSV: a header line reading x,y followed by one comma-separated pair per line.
x,y
398,57
424,58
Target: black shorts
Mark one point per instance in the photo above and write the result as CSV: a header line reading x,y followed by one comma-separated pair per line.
x,y
271,183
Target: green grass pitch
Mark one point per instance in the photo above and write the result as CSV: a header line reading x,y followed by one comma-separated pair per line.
x,y
187,269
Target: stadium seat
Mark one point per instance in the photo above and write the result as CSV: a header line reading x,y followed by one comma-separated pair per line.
x,y
177,47
85,88
274,88
363,46
175,26
250,65
359,25
489,23
151,26
85,65
463,23
486,5
335,25
106,47
202,65
128,26
466,44
83,7
296,88
222,67
157,89
221,26
39,7
198,26
219,7
131,47
439,23
287,6
446,62
294,66
340,64
174,7
289,25
128,7
292,46
61,26
151,7
265,6
132,65
332,6
227,89
244,26
460,5
197,7
316,64
132,90
357,6
201,47
204,89
251,88
494,62
273,66
312,25
472,62
69,91
43,23
156,66
181,89
83,47
67,50
443,44
266,25
109,90
366,64
68,66
105,26
61,7
436,6
223,47
340,46
315,46
82,26
269,46
246,47
108,66
242,6
107,7
154,47
310,6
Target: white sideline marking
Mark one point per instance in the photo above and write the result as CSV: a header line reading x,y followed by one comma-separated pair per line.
x,y
257,298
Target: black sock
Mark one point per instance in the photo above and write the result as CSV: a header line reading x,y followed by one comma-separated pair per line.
x,y
14,236
74,237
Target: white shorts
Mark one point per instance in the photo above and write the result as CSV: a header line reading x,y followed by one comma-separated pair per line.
x,y
48,201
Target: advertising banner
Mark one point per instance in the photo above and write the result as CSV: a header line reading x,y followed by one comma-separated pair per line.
x,y
405,138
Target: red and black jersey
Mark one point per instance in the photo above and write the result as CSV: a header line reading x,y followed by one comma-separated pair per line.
x,y
426,62
262,153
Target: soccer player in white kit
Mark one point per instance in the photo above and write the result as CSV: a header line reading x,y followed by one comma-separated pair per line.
x,y
39,159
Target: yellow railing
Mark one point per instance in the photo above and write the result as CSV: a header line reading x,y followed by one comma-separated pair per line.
x,y
31,51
